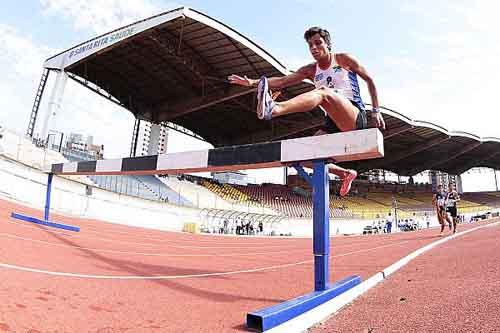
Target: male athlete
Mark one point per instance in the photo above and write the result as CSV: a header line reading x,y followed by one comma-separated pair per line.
x,y
451,208
337,93
439,202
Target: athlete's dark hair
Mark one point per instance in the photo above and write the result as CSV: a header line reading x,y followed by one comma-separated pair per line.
x,y
322,32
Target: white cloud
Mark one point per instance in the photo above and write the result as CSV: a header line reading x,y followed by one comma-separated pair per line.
x,y
101,16
21,60
453,80
291,61
82,111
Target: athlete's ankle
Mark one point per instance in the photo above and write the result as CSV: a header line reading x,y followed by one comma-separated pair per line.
x,y
276,110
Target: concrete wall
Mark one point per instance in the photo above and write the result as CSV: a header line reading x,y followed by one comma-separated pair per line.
x,y
27,185
21,180
19,148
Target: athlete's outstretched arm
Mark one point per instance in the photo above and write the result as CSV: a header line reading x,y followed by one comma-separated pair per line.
x,y
303,73
350,63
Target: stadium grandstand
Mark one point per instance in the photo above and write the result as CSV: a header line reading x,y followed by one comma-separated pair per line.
x,y
162,241
171,69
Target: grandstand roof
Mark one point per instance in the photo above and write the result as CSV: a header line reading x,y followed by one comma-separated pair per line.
x,y
173,67
412,146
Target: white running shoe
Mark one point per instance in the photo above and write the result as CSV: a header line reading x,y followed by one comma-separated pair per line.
x,y
265,102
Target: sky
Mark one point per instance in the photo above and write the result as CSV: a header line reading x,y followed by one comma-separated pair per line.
x,y
431,60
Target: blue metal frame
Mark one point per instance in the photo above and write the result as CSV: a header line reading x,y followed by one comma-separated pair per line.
x,y
268,318
321,225
46,221
302,173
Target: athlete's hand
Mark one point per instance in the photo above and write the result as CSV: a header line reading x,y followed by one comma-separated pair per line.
x,y
242,81
379,120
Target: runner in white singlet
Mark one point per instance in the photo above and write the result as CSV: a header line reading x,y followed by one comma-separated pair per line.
x,y
337,93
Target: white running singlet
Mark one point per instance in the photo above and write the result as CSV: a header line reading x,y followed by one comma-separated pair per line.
x,y
341,80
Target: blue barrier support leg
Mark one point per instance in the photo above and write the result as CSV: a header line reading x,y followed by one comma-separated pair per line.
x,y
321,230
273,316
47,196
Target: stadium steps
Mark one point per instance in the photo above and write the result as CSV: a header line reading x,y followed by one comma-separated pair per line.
x,y
162,191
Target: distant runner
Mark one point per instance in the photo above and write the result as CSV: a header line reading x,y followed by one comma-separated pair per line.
x,y
439,202
451,208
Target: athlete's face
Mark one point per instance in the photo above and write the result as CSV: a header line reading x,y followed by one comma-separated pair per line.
x,y
318,47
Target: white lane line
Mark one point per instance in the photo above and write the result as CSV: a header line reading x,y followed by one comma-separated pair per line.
x,y
170,277
359,240
165,243
308,319
31,240
246,254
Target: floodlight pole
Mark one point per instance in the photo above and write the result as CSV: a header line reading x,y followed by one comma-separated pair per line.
x,y
395,227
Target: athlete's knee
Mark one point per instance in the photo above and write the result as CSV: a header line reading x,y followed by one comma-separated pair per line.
x,y
328,95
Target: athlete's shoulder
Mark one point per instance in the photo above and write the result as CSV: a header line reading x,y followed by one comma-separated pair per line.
x,y
310,66
308,70
344,57
346,60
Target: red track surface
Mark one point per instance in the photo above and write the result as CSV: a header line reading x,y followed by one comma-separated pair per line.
x,y
455,287
40,302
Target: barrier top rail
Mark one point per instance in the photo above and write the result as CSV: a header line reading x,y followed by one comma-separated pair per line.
x,y
339,147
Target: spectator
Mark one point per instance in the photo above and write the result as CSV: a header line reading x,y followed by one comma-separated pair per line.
x,y
238,227
416,222
388,223
379,225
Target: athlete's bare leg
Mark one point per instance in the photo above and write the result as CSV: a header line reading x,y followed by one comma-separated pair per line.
x,y
440,220
342,112
346,175
338,108
455,222
446,218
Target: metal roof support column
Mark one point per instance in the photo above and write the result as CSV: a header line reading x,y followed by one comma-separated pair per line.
x,y
496,180
135,137
54,103
181,35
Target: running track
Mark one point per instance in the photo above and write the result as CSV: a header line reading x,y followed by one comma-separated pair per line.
x,y
114,278
454,287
